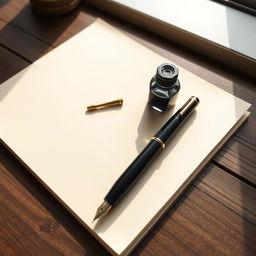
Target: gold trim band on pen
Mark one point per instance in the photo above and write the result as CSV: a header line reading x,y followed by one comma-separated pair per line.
x,y
159,141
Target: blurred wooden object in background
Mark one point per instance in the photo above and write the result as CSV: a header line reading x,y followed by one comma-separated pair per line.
x,y
54,7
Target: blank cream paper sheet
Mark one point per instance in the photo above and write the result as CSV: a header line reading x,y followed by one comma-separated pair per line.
x,y
78,155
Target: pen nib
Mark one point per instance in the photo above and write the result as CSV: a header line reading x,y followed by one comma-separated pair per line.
x,y
102,210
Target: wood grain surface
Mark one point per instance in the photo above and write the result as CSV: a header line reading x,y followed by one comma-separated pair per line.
x,y
216,215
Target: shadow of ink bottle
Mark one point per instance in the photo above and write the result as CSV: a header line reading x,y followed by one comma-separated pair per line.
x,y
164,87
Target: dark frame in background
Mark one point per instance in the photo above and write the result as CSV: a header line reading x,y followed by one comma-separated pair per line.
x,y
248,6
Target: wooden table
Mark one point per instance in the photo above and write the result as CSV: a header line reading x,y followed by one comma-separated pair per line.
x,y
215,216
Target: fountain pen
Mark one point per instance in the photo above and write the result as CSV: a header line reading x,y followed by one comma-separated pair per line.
x,y
156,144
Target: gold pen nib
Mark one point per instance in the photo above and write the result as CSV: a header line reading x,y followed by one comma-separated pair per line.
x,y
102,210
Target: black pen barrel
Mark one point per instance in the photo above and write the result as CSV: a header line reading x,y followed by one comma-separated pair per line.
x,y
157,143
172,125
131,174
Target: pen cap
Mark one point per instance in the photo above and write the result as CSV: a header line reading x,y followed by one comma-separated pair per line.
x,y
177,119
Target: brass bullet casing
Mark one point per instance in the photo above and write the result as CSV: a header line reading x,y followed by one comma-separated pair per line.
x,y
108,104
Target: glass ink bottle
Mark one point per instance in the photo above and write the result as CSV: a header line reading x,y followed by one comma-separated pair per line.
x,y
164,87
